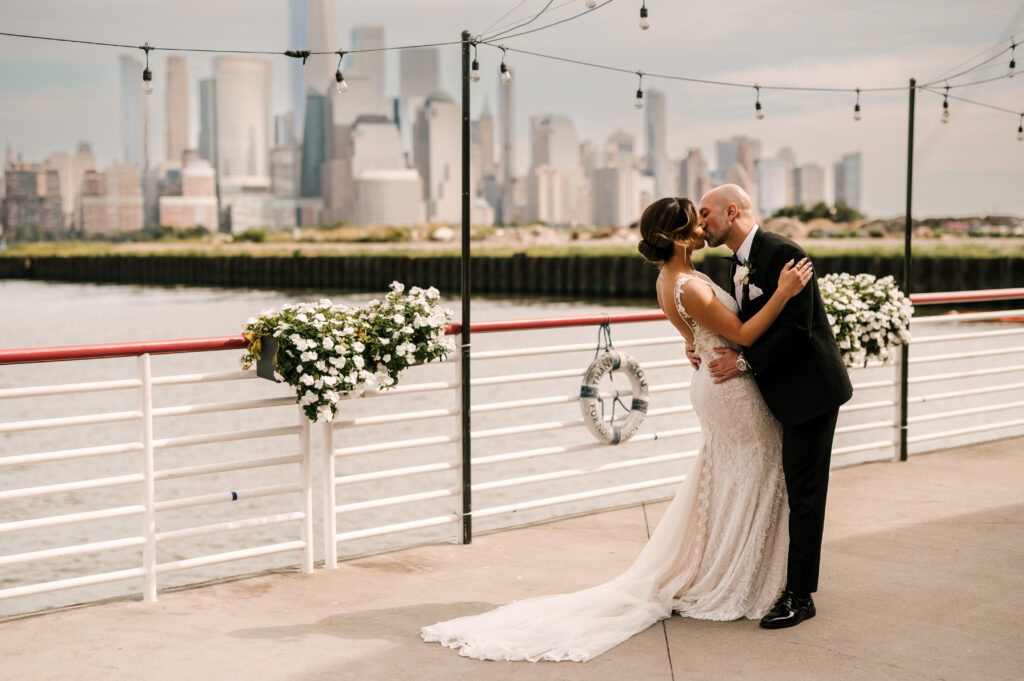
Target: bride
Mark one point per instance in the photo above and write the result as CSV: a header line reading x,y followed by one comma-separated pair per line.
x,y
719,552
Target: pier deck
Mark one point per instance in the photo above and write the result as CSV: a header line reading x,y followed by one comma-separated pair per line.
x,y
922,578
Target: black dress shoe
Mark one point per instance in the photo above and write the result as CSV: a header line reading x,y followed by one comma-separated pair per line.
x,y
789,611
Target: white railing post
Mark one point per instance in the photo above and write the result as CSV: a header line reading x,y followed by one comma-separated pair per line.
x,y
897,412
330,501
148,482
306,473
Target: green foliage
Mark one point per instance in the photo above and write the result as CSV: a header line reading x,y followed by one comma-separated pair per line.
x,y
256,235
841,212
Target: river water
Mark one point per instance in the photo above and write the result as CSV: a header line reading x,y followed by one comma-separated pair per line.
x,y
41,314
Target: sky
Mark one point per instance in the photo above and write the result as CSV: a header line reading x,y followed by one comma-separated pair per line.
x,y
55,95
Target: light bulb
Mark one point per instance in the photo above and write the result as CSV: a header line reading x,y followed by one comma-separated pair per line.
x,y
639,103
591,4
147,82
856,112
342,85
1020,133
474,74
644,23
506,75
760,112
1009,72
945,115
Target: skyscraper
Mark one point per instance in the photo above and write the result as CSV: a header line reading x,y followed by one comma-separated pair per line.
x,y
658,164
314,146
772,176
420,71
438,157
311,27
507,125
177,108
370,65
694,179
847,179
243,130
555,143
809,184
132,124
207,117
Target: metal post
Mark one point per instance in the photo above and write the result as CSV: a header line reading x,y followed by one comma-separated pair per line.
x,y
306,474
467,499
330,501
908,233
148,482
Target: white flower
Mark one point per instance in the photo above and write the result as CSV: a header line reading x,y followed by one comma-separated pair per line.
x,y
358,361
742,275
397,286
306,379
308,356
358,346
328,343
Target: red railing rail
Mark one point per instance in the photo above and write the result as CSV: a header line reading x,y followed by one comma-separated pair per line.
x,y
62,353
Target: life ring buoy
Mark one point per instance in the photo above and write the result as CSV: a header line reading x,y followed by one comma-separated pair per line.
x,y
606,362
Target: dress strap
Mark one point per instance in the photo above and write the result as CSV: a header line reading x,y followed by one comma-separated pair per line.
x,y
678,298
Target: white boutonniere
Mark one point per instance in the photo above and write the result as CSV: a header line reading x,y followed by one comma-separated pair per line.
x,y
743,272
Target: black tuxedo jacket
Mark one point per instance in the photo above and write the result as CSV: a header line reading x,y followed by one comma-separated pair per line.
x,y
797,364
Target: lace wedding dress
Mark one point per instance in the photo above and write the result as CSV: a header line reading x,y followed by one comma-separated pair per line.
x,y
719,552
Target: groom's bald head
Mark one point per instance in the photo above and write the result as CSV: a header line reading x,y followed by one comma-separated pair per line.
x,y
721,197
727,215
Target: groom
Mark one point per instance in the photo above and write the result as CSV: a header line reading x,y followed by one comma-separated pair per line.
x,y
800,373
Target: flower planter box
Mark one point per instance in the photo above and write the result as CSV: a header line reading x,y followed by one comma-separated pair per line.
x,y
265,366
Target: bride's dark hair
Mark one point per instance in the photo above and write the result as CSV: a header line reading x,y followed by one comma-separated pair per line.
x,y
663,223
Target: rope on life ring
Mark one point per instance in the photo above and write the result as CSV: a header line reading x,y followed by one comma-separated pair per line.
x,y
592,406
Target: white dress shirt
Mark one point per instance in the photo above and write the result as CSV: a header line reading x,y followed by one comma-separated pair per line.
x,y
743,254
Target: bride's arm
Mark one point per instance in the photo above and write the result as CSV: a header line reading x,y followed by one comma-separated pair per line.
x,y
700,302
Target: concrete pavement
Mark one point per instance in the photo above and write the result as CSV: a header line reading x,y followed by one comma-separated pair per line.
x,y
922,578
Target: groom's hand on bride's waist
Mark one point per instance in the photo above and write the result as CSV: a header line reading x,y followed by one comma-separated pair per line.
x,y
691,354
724,367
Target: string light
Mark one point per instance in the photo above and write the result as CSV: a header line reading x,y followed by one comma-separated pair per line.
x,y
757,104
639,103
590,4
945,106
342,85
856,107
1013,63
1020,129
506,75
644,23
474,74
147,75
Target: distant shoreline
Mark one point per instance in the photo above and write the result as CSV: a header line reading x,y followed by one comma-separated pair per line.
x,y
584,273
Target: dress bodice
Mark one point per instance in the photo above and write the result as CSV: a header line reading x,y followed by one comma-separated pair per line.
x,y
704,340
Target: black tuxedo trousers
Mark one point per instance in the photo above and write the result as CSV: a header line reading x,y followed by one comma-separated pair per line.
x,y
801,375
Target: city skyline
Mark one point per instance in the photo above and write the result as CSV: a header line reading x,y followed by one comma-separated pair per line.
x,y
969,166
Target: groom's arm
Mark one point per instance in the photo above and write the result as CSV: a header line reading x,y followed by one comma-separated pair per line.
x,y
790,335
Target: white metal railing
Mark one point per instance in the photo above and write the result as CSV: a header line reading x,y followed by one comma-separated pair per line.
x,y
149,511
390,472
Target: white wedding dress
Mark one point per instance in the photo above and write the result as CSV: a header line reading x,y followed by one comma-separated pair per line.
x,y
719,552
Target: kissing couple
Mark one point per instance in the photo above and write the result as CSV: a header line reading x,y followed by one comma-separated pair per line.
x,y
742,536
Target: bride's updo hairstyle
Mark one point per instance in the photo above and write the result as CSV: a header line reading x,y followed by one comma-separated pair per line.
x,y
663,223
